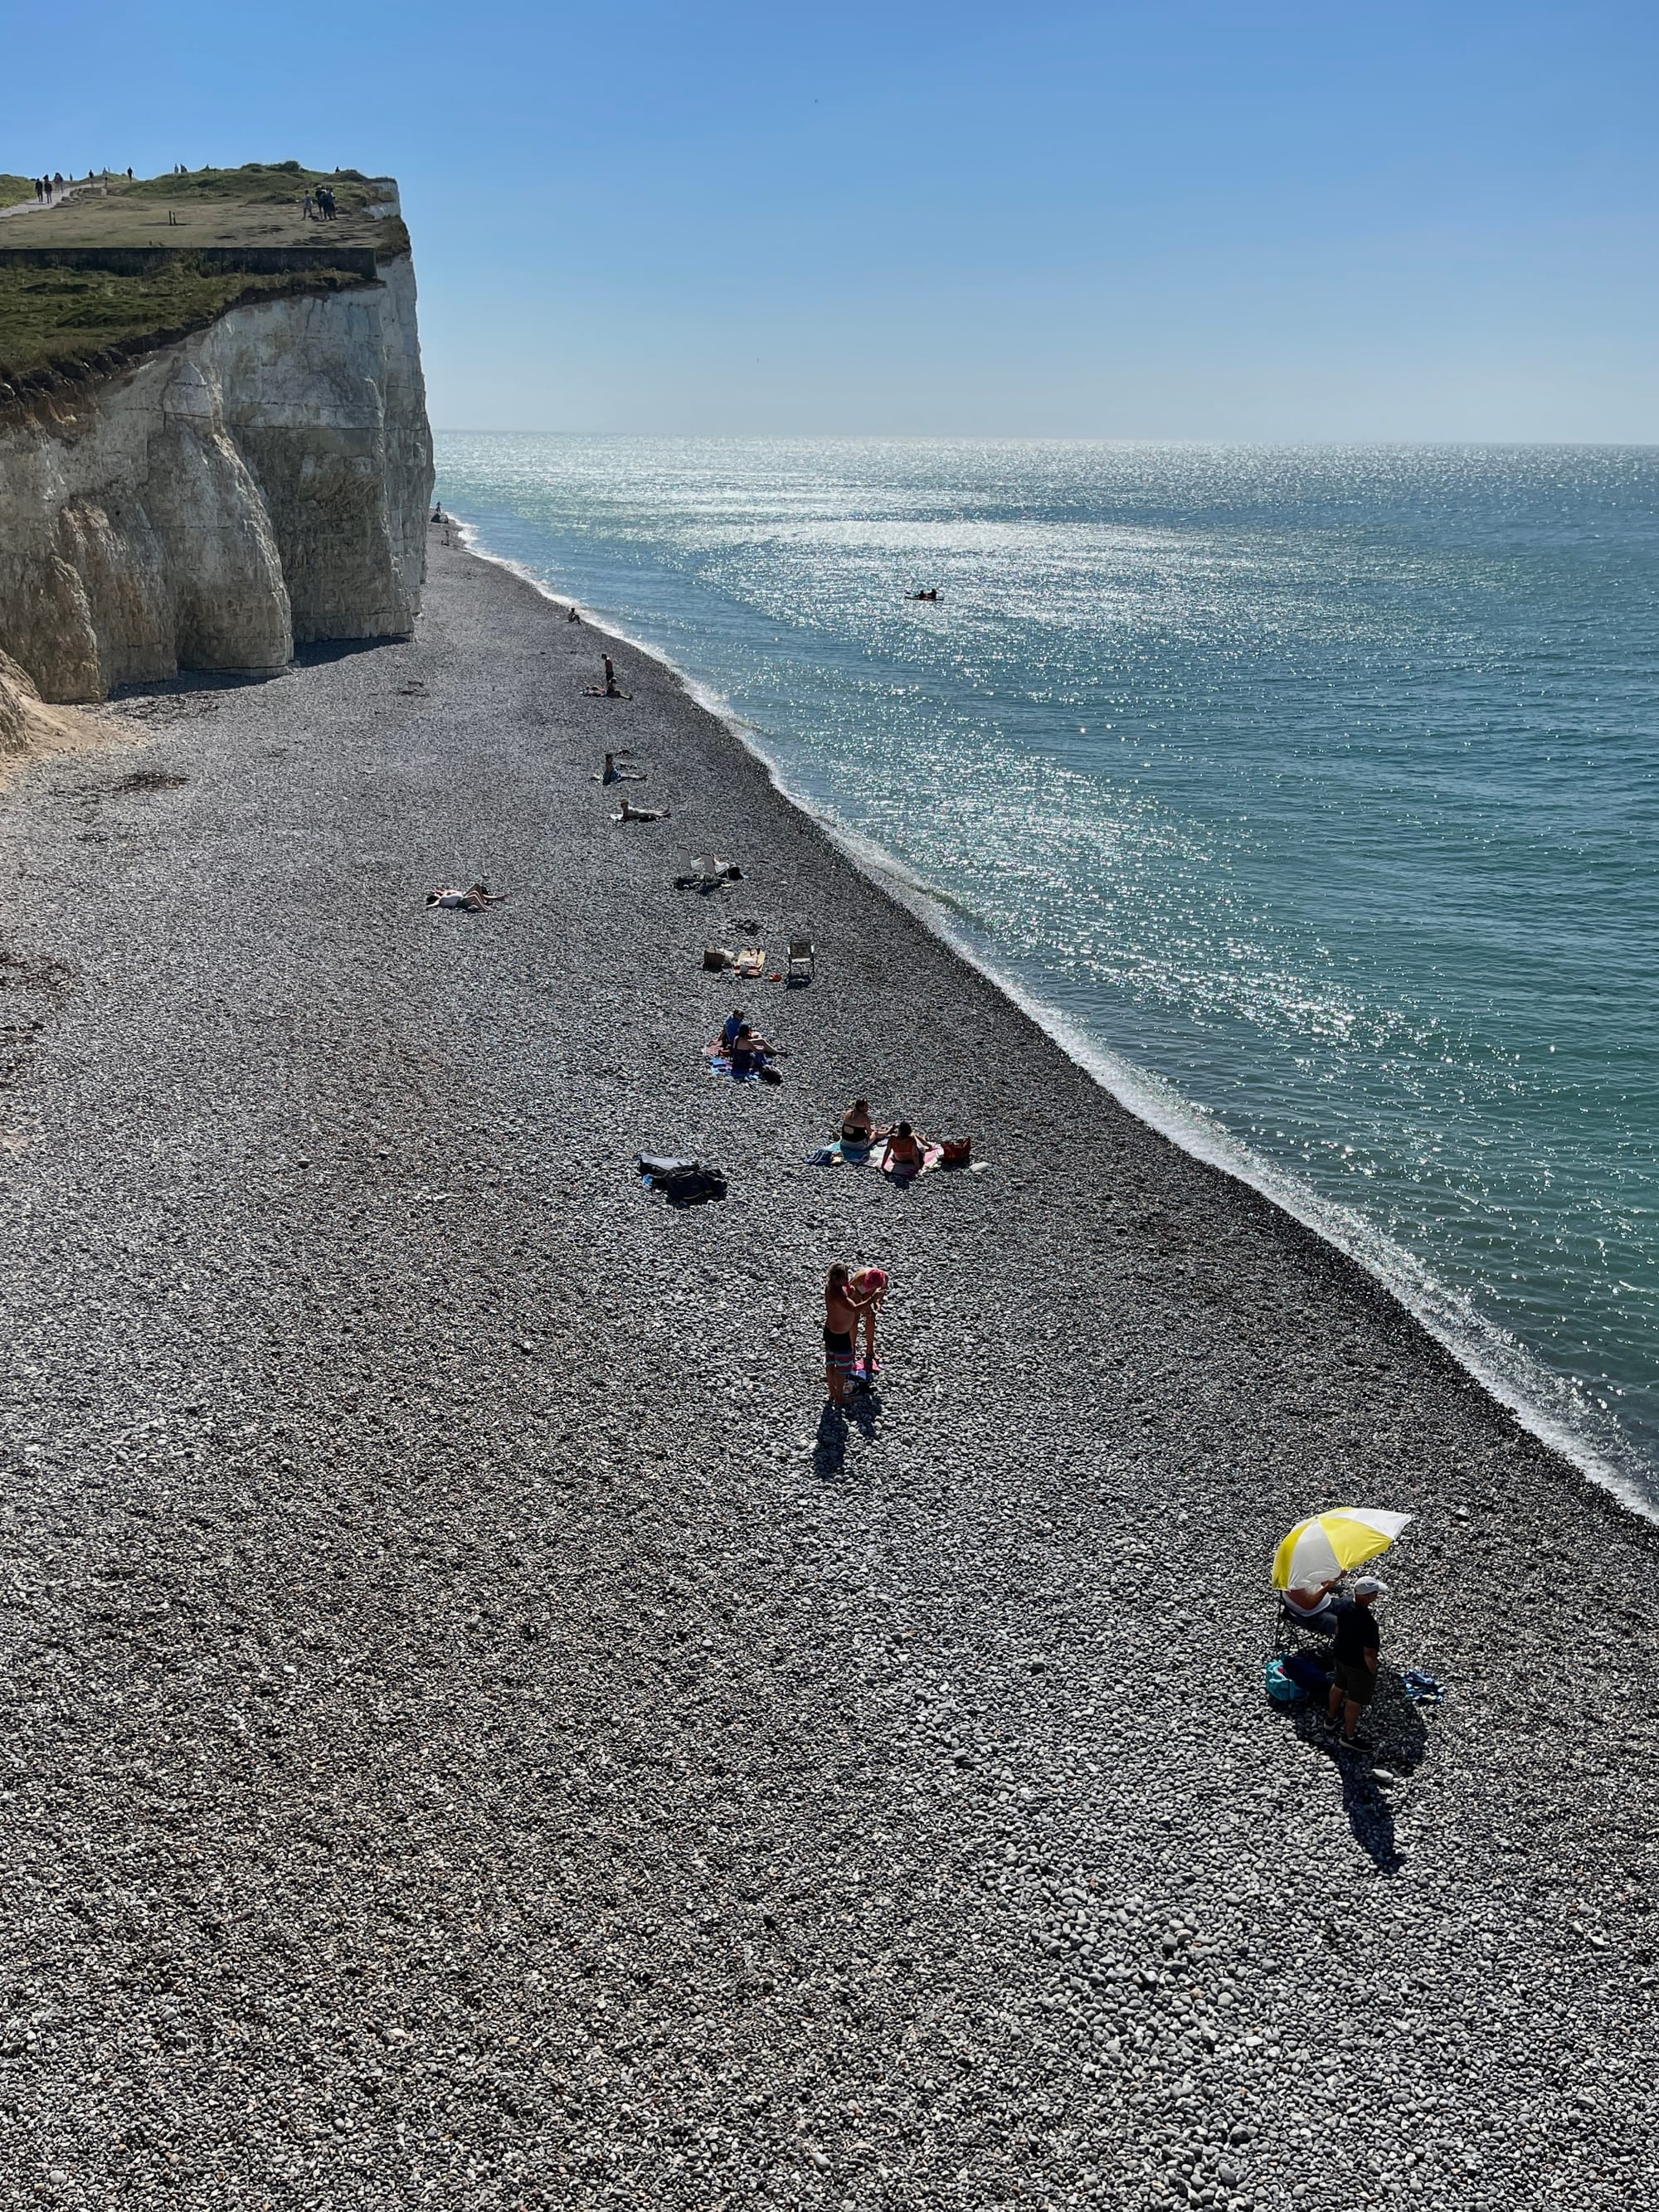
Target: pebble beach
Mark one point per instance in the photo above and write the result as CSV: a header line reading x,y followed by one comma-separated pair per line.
x,y
478,1732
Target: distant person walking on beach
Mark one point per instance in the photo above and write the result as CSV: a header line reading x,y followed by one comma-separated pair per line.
x,y
1356,1653
610,690
305,213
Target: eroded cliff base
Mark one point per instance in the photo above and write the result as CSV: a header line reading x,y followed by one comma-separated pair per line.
x,y
28,725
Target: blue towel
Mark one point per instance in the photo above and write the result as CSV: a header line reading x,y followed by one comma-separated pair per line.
x,y
1422,1689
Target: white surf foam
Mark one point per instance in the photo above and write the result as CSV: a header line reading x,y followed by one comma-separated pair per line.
x,y
1540,1400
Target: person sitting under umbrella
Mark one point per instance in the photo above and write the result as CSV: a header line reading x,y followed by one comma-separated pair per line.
x,y
1310,1606
1314,1558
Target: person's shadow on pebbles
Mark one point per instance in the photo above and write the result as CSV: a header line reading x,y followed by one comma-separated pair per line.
x,y
830,1451
1369,1779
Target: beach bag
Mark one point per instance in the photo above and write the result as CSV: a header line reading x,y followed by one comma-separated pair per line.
x,y
691,1186
1306,1673
656,1165
955,1152
1280,1686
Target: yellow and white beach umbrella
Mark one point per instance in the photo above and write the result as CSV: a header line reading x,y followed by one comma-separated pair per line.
x,y
1330,1543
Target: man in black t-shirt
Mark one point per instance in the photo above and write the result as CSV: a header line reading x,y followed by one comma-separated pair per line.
x,y
1356,1649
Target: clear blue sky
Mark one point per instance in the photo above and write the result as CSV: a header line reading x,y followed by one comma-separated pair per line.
x,y
1251,220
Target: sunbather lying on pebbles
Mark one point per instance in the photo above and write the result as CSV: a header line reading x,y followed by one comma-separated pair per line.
x,y
473,900
641,813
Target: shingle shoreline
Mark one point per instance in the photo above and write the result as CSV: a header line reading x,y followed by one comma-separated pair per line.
x,y
469,1722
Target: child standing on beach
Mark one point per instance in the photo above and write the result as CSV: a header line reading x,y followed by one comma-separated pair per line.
x,y
841,1317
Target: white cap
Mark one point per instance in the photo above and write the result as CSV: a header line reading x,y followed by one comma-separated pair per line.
x,y
1369,1586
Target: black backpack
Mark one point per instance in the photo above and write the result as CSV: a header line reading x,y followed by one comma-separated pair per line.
x,y
683,1182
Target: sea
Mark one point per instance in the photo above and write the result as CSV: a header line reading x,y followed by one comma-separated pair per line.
x,y
1309,796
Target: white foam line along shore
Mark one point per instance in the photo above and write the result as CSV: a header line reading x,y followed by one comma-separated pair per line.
x,y
483,1733
1515,1376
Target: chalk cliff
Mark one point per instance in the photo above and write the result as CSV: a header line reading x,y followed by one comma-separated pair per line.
x,y
262,483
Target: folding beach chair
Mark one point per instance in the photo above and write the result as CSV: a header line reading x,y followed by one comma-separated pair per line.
x,y
803,962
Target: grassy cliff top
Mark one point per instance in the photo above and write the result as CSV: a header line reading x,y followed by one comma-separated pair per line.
x,y
72,322
259,204
60,325
14,189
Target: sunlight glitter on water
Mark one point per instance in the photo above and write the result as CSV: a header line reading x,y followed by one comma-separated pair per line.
x,y
1316,791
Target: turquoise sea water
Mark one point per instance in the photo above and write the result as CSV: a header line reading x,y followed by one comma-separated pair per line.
x,y
1314,795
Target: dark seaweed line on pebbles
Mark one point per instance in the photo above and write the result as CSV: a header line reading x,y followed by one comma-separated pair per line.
x,y
471,1737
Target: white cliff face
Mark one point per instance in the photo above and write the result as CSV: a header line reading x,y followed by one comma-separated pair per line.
x,y
264,484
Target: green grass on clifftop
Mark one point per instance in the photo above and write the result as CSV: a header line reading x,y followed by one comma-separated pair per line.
x,y
257,183
14,189
56,319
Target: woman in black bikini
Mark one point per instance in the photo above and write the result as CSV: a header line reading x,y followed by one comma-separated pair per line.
x,y
856,1127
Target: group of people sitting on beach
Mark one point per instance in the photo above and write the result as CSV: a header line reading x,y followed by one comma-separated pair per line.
x,y
904,1150
748,1052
